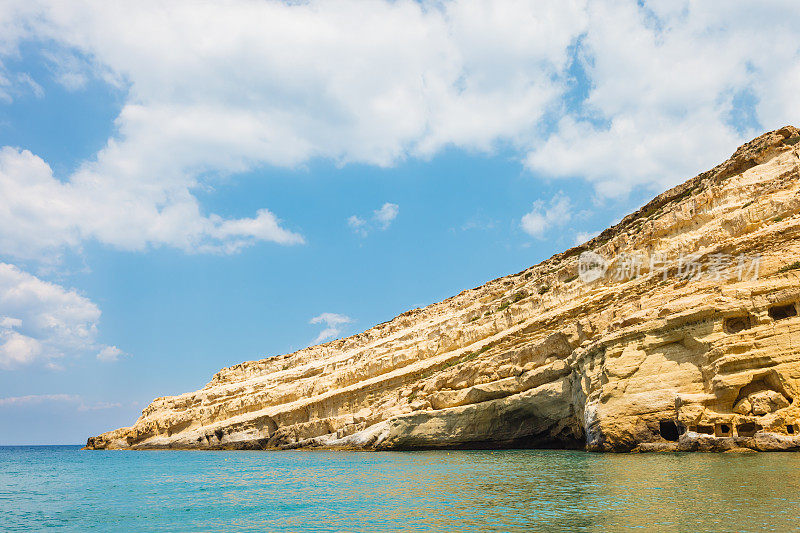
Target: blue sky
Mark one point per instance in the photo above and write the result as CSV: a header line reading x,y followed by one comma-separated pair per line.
x,y
185,188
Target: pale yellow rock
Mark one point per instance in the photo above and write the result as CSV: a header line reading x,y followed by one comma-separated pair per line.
x,y
648,363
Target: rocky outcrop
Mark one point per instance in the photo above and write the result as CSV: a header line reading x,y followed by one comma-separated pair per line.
x,y
677,328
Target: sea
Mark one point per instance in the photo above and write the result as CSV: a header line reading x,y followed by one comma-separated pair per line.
x,y
62,488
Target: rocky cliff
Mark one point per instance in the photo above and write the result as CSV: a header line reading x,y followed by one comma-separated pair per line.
x,y
677,328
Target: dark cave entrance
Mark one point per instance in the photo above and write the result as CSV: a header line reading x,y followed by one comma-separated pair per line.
x,y
669,430
746,429
723,430
780,312
736,324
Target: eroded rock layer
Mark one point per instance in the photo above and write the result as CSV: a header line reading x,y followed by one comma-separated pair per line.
x,y
689,340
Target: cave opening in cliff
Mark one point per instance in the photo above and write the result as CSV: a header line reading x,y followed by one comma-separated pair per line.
x,y
736,324
780,312
790,429
668,430
707,430
746,429
722,430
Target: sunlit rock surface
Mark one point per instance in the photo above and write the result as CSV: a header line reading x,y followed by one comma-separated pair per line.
x,y
655,354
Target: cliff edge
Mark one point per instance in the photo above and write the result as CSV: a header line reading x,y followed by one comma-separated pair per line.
x,y
676,329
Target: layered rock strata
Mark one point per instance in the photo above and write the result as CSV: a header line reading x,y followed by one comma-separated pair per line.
x,y
677,328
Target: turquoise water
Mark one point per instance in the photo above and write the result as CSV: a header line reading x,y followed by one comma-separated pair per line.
x,y
63,488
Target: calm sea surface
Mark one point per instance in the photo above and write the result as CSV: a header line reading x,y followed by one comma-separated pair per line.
x,y
63,488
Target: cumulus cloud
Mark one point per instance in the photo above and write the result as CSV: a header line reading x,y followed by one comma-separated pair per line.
x,y
382,218
110,354
42,321
333,325
39,213
273,83
386,214
544,216
664,78
377,82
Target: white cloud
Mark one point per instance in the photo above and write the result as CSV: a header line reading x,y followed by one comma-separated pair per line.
x,y
41,213
584,236
67,399
663,81
35,399
13,85
68,69
358,225
382,218
333,325
376,82
98,406
544,216
272,83
110,354
386,214
41,321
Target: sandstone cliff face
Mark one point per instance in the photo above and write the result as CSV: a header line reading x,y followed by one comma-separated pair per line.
x,y
648,356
